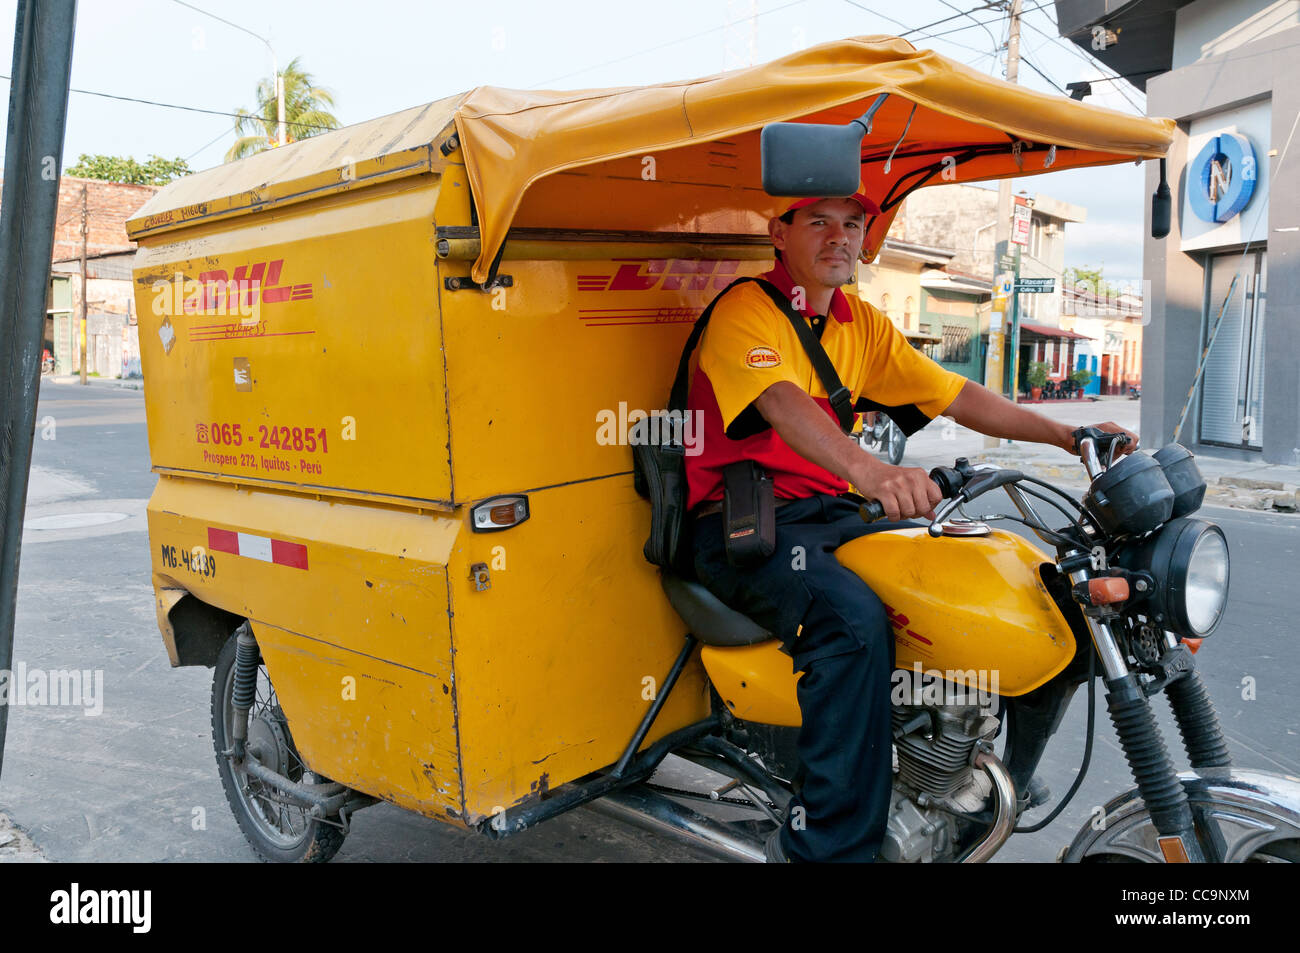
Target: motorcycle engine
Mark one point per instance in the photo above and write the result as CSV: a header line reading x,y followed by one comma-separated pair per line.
x,y
935,781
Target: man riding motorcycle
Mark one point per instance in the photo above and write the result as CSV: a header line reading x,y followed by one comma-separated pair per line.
x,y
762,401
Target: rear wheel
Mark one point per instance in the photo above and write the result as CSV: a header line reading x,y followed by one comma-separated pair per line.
x,y
277,831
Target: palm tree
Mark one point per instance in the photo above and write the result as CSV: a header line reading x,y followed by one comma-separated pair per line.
x,y
306,113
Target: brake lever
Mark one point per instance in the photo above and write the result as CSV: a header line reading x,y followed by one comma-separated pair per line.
x,y
976,487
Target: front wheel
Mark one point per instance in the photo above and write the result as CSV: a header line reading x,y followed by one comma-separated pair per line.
x,y
277,831
1257,813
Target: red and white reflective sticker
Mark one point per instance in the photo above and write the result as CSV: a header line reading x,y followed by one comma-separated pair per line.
x,y
264,548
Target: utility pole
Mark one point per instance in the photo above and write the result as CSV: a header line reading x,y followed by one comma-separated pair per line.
x,y
85,231
38,108
279,101
1003,268
740,41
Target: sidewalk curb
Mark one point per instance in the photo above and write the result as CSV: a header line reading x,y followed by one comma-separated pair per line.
x,y
16,846
1231,491
124,383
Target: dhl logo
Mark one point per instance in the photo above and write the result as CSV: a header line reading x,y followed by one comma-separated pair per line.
x,y
257,282
901,622
663,274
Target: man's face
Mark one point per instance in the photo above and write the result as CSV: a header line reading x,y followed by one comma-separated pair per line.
x,y
822,244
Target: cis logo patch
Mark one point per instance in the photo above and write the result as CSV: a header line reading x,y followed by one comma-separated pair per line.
x,y
762,357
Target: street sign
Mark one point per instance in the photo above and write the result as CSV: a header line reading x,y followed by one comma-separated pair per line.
x,y
1006,263
1035,285
1020,218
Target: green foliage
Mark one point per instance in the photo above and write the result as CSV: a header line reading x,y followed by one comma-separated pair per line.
x,y
155,171
1092,281
306,113
1082,377
1038,372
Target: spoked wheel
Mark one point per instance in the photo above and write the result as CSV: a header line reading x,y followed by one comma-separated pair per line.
x,y
276,829
882,436
894,442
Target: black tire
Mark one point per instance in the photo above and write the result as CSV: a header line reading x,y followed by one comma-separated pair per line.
x,y
895,443
306,840
1278,852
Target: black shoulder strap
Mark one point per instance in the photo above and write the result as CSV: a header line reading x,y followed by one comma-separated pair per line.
x,y
677,399
840,397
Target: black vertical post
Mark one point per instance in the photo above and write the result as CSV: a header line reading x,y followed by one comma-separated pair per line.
x,y
38,108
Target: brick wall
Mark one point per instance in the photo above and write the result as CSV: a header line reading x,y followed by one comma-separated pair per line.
x,y
108,204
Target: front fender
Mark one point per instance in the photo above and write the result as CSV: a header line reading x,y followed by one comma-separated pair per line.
x,y
1253,809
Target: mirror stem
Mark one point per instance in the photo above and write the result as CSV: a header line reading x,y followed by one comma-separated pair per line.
x,y
865,119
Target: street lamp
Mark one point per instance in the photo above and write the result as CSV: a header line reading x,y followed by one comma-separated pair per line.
x,y
275,69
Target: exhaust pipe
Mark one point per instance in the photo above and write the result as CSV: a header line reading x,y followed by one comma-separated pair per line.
x,y
1005,797
652,811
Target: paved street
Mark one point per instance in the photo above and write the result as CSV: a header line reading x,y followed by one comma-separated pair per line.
x,y
127,784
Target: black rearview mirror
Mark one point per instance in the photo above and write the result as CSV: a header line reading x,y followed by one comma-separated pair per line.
x,y
806,159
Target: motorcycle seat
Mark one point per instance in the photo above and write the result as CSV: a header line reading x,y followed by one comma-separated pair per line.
x,y
708,619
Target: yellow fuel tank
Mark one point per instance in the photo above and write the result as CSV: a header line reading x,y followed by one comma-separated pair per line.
x,y
962,603
965,610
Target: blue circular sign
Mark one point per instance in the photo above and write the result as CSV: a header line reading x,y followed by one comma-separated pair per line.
x,y
1221,180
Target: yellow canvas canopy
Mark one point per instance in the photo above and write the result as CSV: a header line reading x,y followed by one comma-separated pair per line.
x,y
683,157
512,139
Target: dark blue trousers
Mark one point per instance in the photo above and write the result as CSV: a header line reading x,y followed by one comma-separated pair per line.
x,y
846,652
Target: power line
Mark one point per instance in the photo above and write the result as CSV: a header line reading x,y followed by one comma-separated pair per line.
x,y
956,16
1042,74
852,3
219,137
972,16
654,49
1090,61
997,4
226,22
193,109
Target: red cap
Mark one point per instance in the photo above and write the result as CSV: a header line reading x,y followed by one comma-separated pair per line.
x,y
868,206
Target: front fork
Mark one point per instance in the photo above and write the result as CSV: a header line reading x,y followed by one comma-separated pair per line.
x,y
1144,748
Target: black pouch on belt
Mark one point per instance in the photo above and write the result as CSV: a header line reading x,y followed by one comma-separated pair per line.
x,y
748,514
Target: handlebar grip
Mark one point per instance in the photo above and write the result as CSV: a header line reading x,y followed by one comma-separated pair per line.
x,y
1102,437
871,511
948,480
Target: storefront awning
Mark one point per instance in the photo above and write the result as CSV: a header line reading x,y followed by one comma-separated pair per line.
x,y
1042,330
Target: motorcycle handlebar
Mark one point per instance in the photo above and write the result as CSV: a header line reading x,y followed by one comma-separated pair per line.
x,y
960,483
1102,439
950,480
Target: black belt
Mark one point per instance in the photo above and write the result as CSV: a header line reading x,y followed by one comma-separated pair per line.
x,y
715,506
708,509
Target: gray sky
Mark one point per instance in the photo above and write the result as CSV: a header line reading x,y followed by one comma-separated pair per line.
x,y
381,56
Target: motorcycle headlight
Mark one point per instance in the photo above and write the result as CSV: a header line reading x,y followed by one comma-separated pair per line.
x,y
1188,559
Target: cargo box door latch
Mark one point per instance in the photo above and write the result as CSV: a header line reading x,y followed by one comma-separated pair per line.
x,y
478,573
467,284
